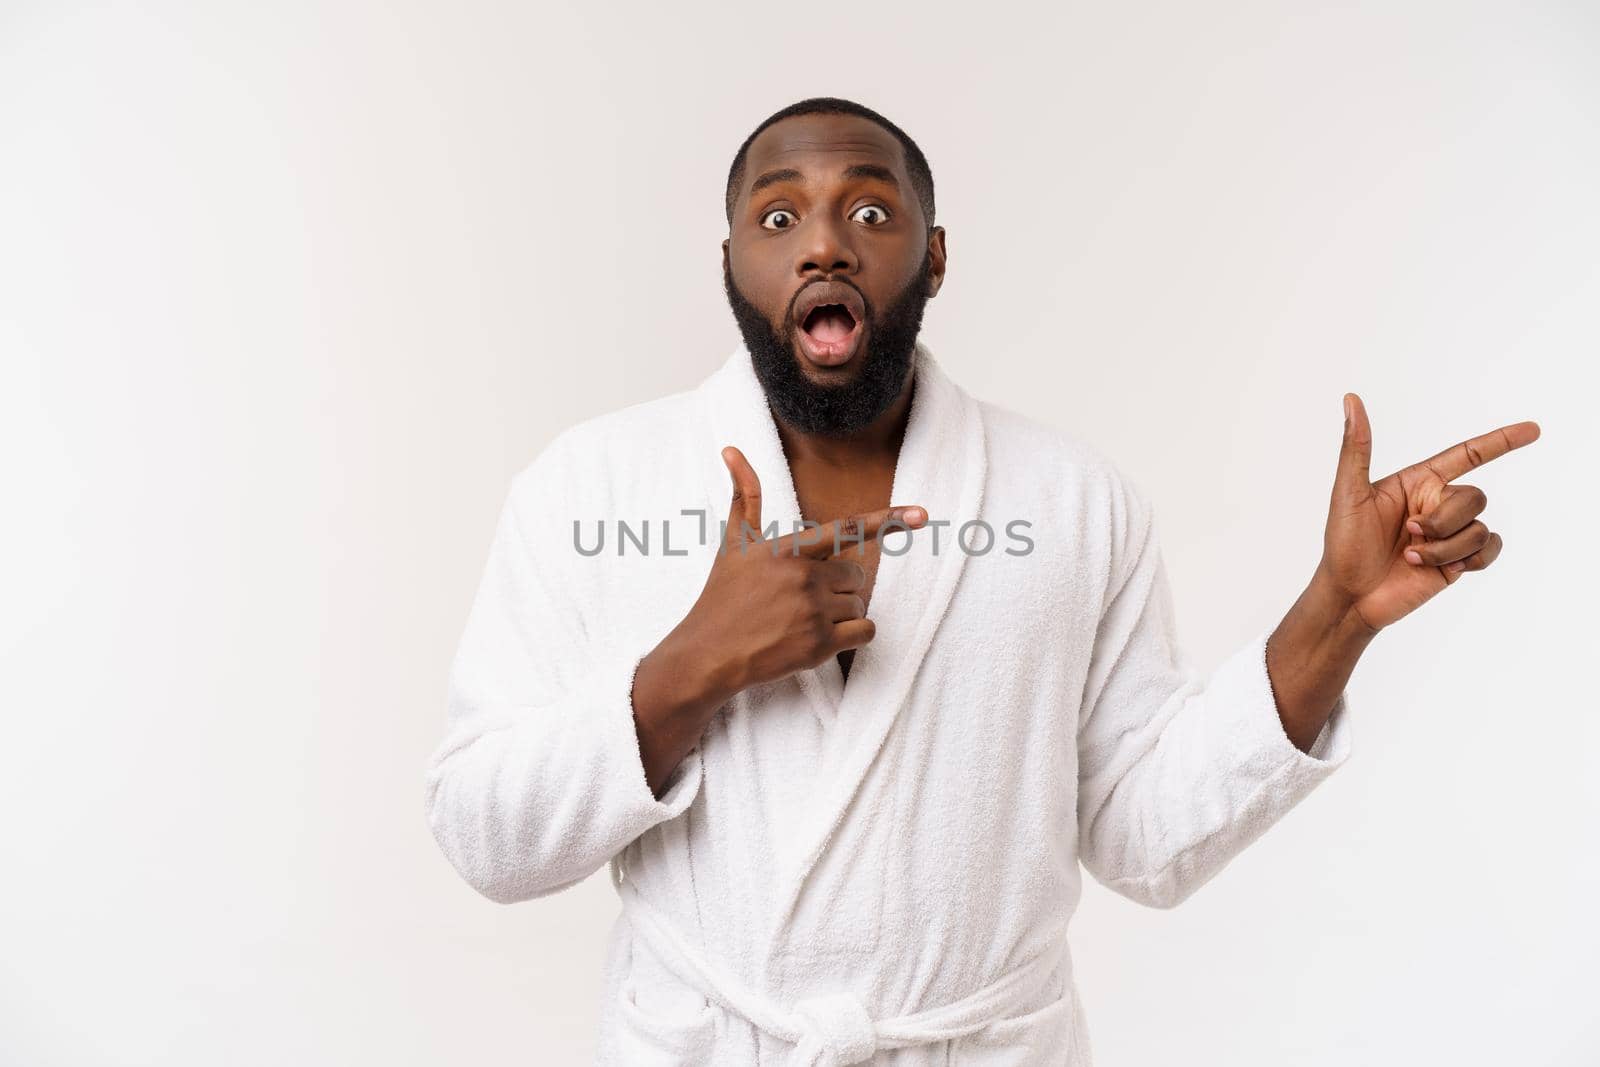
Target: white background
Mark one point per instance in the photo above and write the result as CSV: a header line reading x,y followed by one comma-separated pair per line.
x,y
289,292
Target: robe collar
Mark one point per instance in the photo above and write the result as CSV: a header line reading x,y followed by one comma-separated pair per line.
x,y
942,467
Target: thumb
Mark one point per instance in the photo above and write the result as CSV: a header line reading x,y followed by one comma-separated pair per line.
x,y
745,508
1355,453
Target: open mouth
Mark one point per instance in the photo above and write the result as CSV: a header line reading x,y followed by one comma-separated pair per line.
x,y
830,318
829,324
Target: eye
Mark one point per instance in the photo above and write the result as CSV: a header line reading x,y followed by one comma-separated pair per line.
x,y
883,214
775,212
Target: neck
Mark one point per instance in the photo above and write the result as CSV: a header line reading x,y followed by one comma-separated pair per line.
x,y
877,442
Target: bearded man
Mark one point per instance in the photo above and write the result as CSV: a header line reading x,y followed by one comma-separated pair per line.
x,y
844,767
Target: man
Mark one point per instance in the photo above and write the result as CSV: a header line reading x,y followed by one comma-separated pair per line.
x,y
844,774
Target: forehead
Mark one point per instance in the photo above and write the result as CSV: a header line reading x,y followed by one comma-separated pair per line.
x,y
822,143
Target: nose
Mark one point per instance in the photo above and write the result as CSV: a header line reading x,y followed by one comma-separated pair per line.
x,y
825,247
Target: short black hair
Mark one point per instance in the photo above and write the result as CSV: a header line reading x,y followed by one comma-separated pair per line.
x,y
916,163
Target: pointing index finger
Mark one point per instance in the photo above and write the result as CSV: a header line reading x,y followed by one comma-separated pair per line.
x,y
1458,459
832,537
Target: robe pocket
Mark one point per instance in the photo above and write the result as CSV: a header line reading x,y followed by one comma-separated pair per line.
x,y
664,1027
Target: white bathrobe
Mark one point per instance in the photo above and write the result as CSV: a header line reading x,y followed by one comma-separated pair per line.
x,y
874,871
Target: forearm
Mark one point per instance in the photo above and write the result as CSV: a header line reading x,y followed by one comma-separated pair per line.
x,y
675,694
1310,657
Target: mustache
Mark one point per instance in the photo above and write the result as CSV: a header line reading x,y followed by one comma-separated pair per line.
x,y
870,311
791,319
743,305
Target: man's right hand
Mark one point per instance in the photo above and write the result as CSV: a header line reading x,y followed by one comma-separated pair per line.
x,y
769,608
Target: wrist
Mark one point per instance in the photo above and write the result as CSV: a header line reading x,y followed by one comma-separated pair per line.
x,y
672,701
1310,655
1333,611
689,683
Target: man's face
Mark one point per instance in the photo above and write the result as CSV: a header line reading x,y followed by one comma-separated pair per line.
x,y
827,267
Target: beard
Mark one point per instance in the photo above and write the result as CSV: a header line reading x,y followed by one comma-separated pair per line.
x,y
834,410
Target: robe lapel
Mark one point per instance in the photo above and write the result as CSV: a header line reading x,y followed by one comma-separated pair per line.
x,y
942,466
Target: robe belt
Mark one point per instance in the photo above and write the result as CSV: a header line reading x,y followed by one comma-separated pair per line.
x,y
835,1029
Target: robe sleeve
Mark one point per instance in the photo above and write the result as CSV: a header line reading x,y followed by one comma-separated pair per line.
x,y
539,780
1178,773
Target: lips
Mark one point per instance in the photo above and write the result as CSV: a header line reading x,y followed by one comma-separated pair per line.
x,y
829,318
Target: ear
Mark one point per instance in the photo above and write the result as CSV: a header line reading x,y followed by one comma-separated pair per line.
x,y
936,260
724,253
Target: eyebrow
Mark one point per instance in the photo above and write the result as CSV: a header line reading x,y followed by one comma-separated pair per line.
x,y
870,170
856,170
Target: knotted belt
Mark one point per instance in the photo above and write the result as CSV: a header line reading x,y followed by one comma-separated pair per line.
x,y
836,1029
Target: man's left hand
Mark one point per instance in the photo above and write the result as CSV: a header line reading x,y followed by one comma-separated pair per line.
x,y
1392,545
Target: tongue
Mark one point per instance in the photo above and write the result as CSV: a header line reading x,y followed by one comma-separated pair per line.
x,y
831,324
